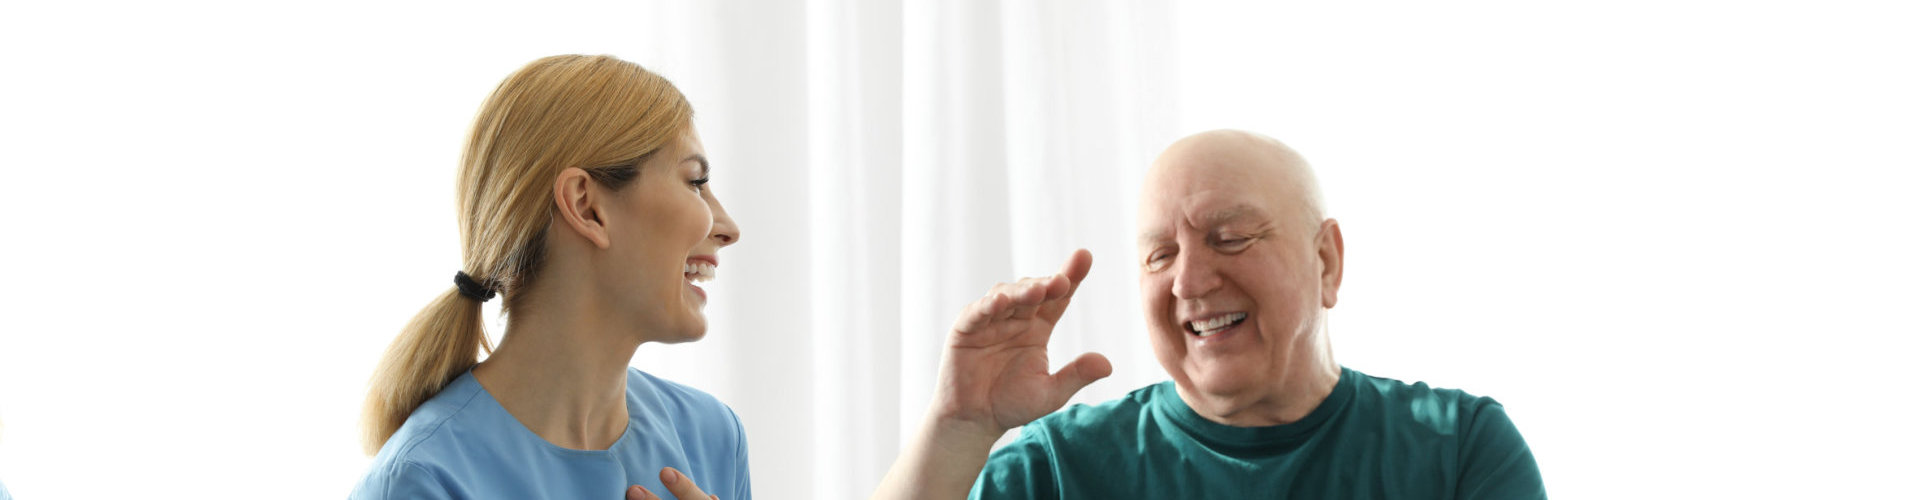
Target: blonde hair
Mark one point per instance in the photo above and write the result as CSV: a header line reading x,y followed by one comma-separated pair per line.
x,y
598,113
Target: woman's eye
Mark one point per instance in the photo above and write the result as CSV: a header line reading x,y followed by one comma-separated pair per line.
x,y
698,184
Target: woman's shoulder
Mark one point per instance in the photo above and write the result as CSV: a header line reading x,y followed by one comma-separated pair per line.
x,y
429,428
649,388
410,464
670,407
401,479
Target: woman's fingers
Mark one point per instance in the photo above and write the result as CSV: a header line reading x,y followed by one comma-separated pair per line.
x,y
680,486
637,492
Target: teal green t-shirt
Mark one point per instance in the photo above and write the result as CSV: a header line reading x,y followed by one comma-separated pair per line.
x,y
1371,438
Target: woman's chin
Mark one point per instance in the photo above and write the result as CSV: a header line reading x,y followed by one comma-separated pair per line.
x,y
691,333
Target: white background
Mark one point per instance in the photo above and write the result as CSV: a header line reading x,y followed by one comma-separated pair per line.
x,y
1676,239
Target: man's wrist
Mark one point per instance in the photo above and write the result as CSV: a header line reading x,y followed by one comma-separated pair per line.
x,y
961,437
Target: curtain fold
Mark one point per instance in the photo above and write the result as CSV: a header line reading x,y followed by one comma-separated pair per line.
x,y
889,161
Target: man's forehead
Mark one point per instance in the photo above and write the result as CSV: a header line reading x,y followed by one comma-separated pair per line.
x,y
1213,177
1198,187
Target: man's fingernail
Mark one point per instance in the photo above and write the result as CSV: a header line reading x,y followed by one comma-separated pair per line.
x,y
672,476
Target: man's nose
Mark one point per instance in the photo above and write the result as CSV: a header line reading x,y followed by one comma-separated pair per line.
x,y
1194,275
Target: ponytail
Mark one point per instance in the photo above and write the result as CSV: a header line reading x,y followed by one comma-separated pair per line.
x,y
443,341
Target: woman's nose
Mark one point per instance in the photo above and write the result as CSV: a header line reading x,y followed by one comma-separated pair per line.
x,y
724,229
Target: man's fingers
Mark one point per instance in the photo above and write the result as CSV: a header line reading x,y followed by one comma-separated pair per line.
x,y
982,312
1029,295
681,487
1072,273
1026,298
636,492
1077,267
1076,375
1004,304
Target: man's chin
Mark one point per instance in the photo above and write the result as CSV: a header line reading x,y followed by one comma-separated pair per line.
x,y
1220,381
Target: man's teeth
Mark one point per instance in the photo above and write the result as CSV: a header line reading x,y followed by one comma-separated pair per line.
x,y
698,271
1213,326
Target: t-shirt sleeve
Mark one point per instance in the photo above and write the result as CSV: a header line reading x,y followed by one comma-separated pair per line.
x,y
1495,460
405,480
744,489
1022,469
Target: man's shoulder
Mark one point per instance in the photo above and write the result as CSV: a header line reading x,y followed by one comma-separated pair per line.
x,y
1445,410
1494,459
1126,408
1090,423
1082,434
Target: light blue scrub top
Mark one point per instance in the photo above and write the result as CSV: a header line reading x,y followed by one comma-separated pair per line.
x,y
463,444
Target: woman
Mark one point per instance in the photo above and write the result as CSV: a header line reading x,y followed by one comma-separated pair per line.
x,y
583,203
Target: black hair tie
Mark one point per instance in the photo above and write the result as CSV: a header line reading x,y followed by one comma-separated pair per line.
x,y
470,288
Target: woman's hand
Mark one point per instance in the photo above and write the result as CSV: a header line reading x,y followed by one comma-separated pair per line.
x,y
994,373
993,377
678,484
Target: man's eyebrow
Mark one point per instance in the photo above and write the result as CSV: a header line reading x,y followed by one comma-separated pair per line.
x,y
704,167
1228,214
1207,221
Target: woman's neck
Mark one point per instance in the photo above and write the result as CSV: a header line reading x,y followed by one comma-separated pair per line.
x,y
563,375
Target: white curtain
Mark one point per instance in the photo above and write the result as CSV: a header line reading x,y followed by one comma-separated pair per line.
x,y
1674,226
889,162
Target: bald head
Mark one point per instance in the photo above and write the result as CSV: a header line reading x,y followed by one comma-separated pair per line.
x,y
1237,268
1241,160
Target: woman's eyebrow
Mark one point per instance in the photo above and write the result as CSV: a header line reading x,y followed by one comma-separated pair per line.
x,y
704,167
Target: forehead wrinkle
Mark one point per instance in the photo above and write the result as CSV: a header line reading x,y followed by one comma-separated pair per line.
x,y
1152,237
1232,213
1203,219
1201,212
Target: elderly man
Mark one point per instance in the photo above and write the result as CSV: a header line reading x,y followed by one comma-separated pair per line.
x,y
1238,266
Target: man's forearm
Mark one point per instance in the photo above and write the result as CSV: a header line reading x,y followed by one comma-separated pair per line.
x,y
941,463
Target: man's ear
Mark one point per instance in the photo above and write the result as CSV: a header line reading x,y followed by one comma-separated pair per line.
x,y
1332,250
578,206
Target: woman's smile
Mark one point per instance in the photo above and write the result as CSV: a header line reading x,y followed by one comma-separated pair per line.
x,y
700,269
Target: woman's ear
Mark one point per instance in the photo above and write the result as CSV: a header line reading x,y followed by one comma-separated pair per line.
x,y
579,206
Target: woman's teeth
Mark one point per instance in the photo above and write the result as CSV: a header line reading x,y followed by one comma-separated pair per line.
x,y
1212,326
698,271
